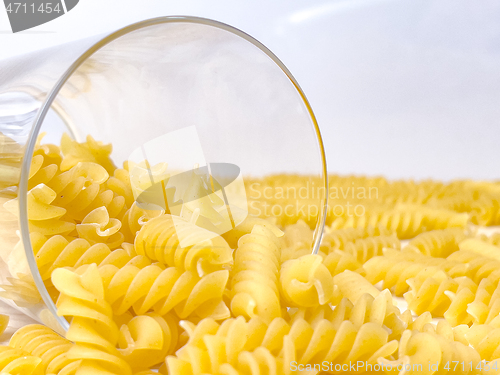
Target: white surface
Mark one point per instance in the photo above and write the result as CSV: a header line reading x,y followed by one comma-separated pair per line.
x,y
401,88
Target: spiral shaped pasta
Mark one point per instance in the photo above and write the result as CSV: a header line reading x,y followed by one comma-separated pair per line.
x,y
146,340
352,285
164,290
58,252
134,219
438,243
297,241
15,361
478,267
337,239
441,295
119,183
339,261
306,281
98,227
231,348
51,348
395,268
314,344
366,248
255,280
406,220
239,347
419,349
44,217
367,309
92,328
485,339
81,189
125,276
40,171
89,151
485,308
4,322
160,239
481,248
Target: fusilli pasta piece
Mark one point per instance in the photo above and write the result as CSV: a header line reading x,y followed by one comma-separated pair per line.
x,y
379,310
406,220
298,239
478,267
40,171
160,239
92,328
485,308
89,151
339,261
255,279
486,340
437,243
480,247
163,290
441,295
134,219
98,227
366,248
306,281
418,350
217,349
146,340
81,190
18,362
44,217
119,183
352,285
50,347
394,268
337,239
4,322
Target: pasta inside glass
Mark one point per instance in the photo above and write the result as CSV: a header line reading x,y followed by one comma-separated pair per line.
x,y
176,96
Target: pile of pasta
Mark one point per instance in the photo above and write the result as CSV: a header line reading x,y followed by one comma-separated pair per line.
x,y
255,301
405,206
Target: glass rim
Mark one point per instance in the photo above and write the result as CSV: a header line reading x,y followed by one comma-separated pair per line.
x,y
52,94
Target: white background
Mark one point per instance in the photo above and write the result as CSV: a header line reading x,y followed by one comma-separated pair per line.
x,y
404,88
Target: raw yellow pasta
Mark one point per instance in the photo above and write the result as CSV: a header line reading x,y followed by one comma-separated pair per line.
x,y
241,346
255,280
366,248
480,247
51,348
161,240
352,285
437,293
44,217
394,268
306,281
18,362
92,328
90,151
4,322
418,350
339,261
438,243
99,227
144,289
485,308
163,290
